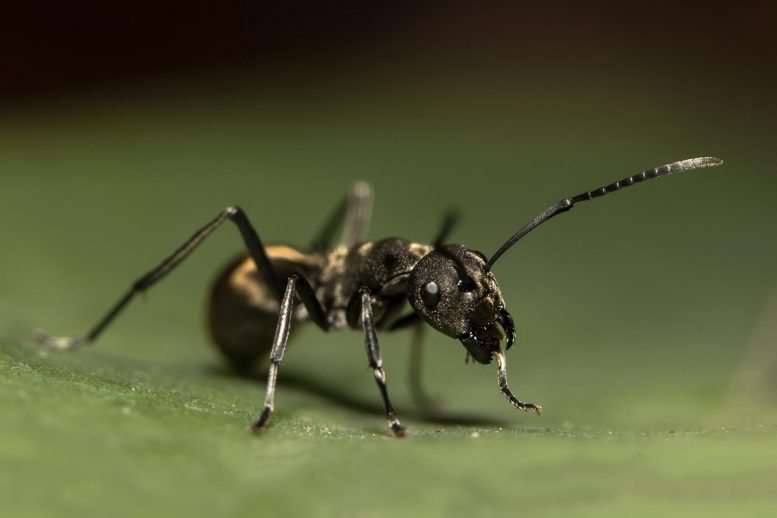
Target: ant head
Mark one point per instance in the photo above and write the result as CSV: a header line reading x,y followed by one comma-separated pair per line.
x,y
455,293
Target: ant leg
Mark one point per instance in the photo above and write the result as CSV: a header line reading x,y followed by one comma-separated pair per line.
x,y
449,221
353,214
250,238
357,217
299,285
375,361
417,392
324,237
501,376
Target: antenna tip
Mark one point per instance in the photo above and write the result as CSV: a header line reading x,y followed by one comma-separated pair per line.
x,y
705,161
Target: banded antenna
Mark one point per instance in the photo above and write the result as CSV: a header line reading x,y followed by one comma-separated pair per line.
x,y
567,203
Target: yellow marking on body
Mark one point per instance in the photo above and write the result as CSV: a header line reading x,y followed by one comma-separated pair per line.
x,y
366,248
288,253
282,252
419,249
245,279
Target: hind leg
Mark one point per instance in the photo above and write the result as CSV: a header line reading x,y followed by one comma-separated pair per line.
x,y
353,214
253,244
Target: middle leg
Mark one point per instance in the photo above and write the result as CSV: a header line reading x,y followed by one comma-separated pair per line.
x,y
413,322
297,284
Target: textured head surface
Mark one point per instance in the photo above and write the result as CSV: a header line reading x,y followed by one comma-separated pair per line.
x,y
453,292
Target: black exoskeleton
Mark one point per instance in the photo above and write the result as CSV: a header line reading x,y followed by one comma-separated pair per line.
x,y
374,286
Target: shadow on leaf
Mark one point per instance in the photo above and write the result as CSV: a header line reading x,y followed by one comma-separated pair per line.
x,y
305,383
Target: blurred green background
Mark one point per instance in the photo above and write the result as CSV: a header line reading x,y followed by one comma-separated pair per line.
x,y
646,319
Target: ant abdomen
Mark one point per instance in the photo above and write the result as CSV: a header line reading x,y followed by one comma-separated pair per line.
x,y
242,311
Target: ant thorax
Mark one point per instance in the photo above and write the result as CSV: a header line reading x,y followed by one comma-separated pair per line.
x,y
383,266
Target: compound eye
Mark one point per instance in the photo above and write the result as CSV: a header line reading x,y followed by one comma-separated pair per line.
x,y
430,294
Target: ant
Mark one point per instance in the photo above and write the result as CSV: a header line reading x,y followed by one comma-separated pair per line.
x,y
357,284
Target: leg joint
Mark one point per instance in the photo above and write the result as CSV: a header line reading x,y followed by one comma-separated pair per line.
x,y
233,210
143,283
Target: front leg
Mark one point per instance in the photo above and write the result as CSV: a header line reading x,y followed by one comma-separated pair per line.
x,y
375,361
415,365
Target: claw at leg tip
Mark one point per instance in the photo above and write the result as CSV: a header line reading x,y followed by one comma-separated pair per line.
x,y
257,428
60,343
399,430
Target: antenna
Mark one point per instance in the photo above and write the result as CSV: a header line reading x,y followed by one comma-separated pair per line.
x,y
567,203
